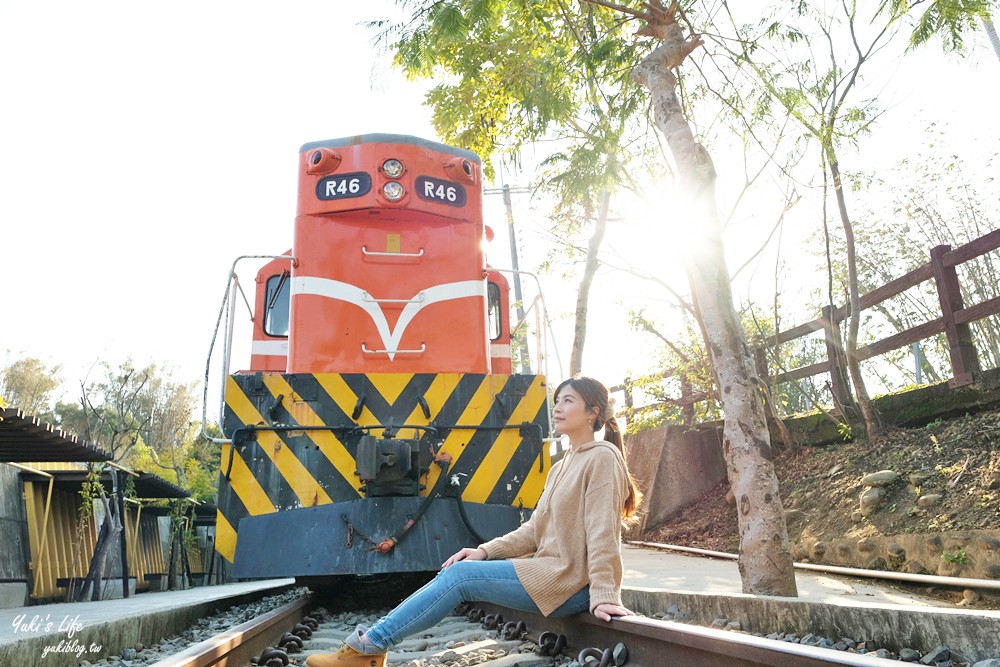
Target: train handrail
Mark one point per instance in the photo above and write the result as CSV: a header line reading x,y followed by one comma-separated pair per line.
x,y
376,253
545,314
544,311
231,281
423,348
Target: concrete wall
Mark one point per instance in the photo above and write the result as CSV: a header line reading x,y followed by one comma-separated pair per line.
x,y
13,594
672,467
14,573
973,635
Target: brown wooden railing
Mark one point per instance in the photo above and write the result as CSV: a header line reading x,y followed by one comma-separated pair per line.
x,y
953,322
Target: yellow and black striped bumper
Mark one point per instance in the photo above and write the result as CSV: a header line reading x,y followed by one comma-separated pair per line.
x,y
295,438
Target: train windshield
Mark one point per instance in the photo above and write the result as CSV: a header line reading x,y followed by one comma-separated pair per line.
x,y
276,305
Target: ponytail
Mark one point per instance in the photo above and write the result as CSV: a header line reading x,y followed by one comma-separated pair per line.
x,y
613,435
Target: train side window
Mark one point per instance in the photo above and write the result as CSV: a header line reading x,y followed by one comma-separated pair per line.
x,y
276,305
493,295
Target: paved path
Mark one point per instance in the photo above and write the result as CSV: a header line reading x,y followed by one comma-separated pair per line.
x,y
65,619
652,568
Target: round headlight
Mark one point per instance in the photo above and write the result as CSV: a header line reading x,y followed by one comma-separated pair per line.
x,y
392,168
393,191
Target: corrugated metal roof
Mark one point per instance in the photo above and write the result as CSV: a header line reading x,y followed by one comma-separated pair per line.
x,y
147,485
204,515
24,438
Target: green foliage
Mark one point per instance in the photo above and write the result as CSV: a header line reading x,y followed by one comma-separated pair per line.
x,y
683,369
144,418
845,430
27,384
180,524
948,471
512,72
958,556
90,490
129,489
516,72
193,465
950,20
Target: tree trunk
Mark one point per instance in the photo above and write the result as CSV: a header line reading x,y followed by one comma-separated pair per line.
x,y
991,32
93,570
583,295
110,530
873,428
765,560
172,559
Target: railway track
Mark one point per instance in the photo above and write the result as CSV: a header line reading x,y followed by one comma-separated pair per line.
x,y
655,643
241,644
499,637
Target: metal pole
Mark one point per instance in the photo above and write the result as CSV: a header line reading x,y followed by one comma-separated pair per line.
x,y
123,545
522,346
916,362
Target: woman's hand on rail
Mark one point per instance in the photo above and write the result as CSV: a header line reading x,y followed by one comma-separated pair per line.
x,y
465,554
606,612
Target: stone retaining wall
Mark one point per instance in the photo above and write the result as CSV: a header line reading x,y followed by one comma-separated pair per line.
x,y
973,554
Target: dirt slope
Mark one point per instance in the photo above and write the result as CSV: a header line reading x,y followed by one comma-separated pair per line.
x,y
958,459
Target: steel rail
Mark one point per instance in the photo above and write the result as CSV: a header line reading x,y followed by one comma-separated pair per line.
x,y
238,644
932,579
653,643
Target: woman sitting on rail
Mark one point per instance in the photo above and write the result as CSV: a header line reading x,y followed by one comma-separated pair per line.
x,y
589,492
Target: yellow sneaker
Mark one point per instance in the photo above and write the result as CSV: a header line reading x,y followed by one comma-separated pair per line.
x,y
346,657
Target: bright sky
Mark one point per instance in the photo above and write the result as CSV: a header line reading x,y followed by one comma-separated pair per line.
x,y
144,146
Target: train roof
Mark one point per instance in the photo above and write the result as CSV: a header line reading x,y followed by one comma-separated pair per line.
x,y
379,137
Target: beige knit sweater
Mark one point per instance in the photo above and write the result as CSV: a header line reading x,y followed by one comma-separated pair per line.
x,y
574,536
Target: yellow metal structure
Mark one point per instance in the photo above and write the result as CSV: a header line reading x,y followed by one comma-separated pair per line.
x,y
61,544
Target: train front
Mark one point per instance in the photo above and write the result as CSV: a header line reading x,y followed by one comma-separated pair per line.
x,y
370,435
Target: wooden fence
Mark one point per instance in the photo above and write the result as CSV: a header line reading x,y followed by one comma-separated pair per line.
x,y
953,322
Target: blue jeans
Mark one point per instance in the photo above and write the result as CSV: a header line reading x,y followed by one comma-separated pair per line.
x,y
466,581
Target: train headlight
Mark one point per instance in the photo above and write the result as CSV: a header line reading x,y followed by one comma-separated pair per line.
x,y
392,168
322,161
393,190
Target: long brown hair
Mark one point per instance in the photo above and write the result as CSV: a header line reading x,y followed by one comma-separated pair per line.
x,y
595,395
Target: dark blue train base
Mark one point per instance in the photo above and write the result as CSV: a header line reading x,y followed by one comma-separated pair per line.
x,y
355,536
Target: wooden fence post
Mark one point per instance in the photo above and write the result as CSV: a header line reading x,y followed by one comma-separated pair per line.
x,y
835,355
964,358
